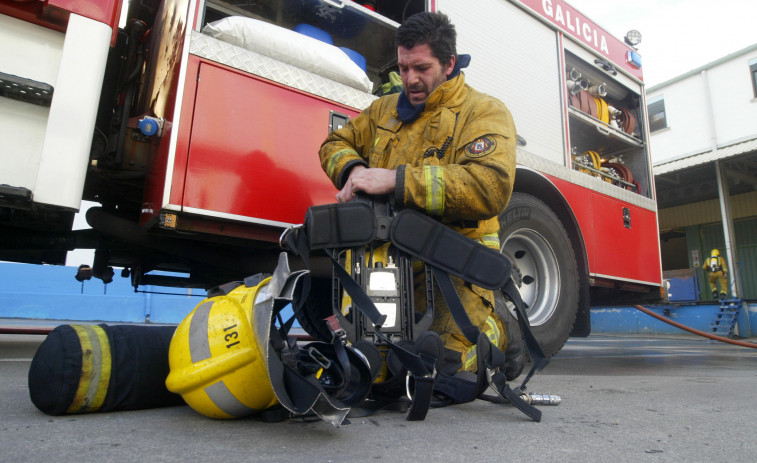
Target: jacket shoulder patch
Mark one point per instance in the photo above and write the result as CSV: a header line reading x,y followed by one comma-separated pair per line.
x,y
480,147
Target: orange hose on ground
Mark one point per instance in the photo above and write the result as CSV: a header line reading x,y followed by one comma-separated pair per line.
x,y
696,331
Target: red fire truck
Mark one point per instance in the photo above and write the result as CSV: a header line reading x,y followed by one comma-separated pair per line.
x,y
196,127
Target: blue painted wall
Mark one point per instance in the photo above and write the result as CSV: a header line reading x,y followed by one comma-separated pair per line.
x,y
52,293
628,320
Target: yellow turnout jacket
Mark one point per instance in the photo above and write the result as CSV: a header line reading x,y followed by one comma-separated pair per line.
x,y
455,162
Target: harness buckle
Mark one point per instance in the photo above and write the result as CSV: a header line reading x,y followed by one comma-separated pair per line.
x,y
319,358
490,380
494,387
431,376
336,330
285,234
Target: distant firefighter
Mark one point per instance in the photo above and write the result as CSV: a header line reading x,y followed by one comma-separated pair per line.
x,y
718,274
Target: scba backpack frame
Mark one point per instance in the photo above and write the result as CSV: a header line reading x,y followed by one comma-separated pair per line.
x,y
359,229
372,349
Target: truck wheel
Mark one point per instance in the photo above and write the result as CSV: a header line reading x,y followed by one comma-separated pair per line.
x,y
544,268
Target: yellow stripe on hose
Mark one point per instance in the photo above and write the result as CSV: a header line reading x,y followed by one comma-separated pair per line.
x,y
86,369
603,112
595,159
105,368
95,369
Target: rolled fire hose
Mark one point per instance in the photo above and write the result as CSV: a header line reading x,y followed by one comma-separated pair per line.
x,y
629,121
589,99
623,172
590,159
603,114
596,159
694,330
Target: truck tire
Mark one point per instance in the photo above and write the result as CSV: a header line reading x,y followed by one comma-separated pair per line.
x,y
544,268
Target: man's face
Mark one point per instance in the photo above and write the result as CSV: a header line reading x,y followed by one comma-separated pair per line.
x,y
421,72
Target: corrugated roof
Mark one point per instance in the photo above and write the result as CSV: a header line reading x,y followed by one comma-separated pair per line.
x,y
726,152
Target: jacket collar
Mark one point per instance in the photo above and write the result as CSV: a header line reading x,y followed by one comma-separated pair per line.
x,y
447,94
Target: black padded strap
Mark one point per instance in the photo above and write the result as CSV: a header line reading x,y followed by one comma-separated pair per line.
x,y
340,225
361,300
461,389
423,391
370,407
440,246
500,382
489,356
358,384
538,359
470,331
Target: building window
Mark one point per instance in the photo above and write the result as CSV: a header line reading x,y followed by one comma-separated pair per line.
x,y
657,118
753,72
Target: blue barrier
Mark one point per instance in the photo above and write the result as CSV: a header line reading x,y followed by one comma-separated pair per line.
x,y
51,292
628,320
48,292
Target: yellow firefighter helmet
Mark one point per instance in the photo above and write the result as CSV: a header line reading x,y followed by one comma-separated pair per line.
x,y
715,253
216,362
228,359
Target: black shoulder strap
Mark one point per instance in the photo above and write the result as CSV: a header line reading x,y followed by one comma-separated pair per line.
x,y
496,357
539,360
442,247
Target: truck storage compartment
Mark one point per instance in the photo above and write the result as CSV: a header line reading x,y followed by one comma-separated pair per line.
x,y
268,83
277,133
364,36
607,134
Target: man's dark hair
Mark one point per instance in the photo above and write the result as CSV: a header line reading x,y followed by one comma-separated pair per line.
x,y
433,29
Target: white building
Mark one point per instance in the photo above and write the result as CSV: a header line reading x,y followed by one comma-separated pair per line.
x,y
703,141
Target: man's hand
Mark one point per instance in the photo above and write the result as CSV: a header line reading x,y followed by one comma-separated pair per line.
x,y
373,181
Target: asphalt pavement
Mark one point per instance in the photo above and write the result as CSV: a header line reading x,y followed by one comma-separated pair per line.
x,y
624,399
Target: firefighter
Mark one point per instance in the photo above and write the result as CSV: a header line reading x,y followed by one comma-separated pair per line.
x,y
717,274
442,148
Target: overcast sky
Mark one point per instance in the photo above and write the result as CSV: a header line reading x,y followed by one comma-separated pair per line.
x,y
677,35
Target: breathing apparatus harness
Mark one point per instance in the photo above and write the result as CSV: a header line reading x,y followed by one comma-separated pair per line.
x,y
714,264
355,225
